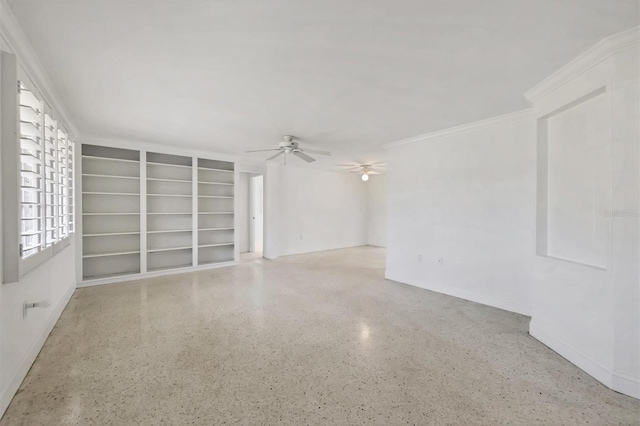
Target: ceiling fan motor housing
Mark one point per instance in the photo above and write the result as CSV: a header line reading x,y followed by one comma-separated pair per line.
x,y
289,146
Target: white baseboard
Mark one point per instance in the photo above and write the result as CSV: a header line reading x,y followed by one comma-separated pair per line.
x,y
619,383
582,361
507,305
31,355
626,385
135,277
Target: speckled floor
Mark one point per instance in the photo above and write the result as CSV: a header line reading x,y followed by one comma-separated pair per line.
x,y
311,339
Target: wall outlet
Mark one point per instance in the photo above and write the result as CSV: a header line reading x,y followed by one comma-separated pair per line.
x,y
419,258
441,261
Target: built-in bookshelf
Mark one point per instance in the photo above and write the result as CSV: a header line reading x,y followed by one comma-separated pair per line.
x,y
147,212
169,211
110,212
215,211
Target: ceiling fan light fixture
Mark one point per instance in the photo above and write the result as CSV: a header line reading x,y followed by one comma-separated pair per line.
x,y
365,177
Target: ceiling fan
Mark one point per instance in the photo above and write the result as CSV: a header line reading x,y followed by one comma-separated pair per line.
x,y
289,146
365,169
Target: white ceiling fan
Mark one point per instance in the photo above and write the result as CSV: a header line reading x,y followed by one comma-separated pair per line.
x,y
289,146
365,169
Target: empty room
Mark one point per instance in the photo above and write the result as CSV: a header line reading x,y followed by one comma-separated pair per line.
x,y
319,212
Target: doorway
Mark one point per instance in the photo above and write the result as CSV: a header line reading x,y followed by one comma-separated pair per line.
x,y
250,214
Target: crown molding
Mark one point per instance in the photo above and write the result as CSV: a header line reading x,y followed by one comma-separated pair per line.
x,y
591,57
12,33
464,128
594,55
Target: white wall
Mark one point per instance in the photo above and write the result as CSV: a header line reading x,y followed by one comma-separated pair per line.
x,y
587,310
467,198
318,210
21,338
516,207
376,210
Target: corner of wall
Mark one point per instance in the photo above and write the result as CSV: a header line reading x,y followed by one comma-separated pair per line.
x,y
543,334
30,356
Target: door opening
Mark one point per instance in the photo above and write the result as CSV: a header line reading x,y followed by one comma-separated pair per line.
x,y
250,214
256,214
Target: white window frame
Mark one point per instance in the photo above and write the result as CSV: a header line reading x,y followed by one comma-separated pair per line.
x,y
45,252
63,242
15,266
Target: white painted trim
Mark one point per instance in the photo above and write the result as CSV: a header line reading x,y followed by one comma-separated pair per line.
x,y
591,57
21,372
588,59
136,277
626,385
507,305
571,354
617,382
16,39
462,129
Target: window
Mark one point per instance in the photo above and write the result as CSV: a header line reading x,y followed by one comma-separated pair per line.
x,y
46,177
70,159
50,201
31,173
63,185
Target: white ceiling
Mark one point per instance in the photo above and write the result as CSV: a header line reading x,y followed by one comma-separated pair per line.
x,y
346,76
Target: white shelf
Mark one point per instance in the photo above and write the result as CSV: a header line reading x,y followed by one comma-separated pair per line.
x,y
216,261
169,268
169,249
119,160
110,176
169,231
111,234
170,195
214,196
215,170
107,276
169,180
170,213
215,245
111,214
215,212
200,182
215,229
120,253
111,193
154,163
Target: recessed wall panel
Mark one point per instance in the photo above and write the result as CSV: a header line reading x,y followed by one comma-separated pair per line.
x,y
578,180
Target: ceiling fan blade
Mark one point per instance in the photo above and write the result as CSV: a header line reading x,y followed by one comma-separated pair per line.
x,y
373,172
263,150
277,155
304,156
315,151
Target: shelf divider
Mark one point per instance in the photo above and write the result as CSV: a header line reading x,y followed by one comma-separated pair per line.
x,y
194,206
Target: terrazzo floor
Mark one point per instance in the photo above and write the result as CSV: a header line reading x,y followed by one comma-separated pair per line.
x,y
320,338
